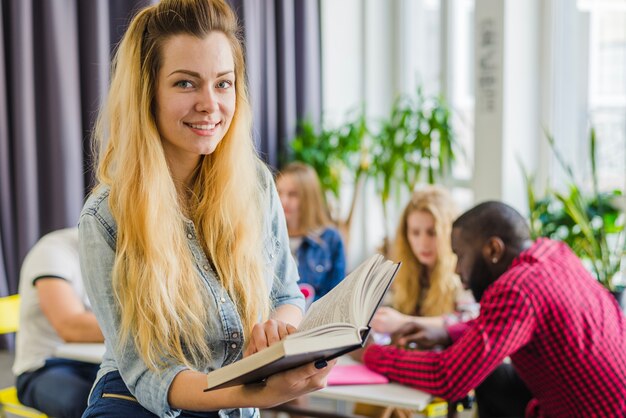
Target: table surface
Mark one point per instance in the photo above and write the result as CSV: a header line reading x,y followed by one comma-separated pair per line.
x,y
87,352
389,394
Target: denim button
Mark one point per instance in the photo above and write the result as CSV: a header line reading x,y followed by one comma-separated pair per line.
x,y
190,236
223,300
235,335
319,268
206,267
233,345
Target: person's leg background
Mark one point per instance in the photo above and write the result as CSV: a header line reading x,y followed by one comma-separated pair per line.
x,y
503,394
59,389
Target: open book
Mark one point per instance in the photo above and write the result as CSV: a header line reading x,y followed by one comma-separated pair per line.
x,y
334,325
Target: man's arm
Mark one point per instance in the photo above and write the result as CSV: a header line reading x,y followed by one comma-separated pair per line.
x,y
455,331
66,312
506,323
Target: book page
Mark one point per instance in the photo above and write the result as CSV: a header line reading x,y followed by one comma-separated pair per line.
x,y
339,327
339,304
373,291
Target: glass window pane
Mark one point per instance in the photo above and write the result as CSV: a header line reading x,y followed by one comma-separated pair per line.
x,y
607,93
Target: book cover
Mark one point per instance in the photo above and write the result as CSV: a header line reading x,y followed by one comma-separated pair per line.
x,y
354,374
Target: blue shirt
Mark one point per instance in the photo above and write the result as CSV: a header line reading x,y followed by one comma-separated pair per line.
x,y
321,261
97,243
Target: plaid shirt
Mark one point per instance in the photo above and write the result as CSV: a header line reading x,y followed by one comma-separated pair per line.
x,y
564,333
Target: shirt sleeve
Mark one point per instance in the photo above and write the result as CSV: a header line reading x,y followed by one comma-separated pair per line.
x,y
284,272
97,254
506,323
52,257
455,331
338,260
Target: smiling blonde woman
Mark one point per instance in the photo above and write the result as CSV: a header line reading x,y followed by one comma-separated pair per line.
x,y
184,247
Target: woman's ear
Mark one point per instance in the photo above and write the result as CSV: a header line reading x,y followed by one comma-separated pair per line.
x,y
493,250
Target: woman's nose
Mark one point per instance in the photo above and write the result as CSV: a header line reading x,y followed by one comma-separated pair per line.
x,y
207,101
422,240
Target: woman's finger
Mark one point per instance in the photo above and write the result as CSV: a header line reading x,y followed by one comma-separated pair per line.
x,y
258,339
272,334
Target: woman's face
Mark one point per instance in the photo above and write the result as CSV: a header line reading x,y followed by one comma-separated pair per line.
x,y
195,96
422,237
290,200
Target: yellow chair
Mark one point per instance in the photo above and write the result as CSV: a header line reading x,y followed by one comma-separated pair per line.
x,y
9,322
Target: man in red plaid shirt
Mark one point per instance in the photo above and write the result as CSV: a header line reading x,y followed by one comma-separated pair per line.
x,y
564,333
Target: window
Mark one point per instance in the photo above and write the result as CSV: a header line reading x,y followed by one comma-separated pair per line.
x,y
607,90
390,48
437,53
589,86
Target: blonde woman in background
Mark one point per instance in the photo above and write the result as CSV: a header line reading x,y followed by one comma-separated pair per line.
x,y
183,243
315,243
426,289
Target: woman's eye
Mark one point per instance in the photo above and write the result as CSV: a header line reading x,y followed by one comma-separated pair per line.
x,y
224,84
186,84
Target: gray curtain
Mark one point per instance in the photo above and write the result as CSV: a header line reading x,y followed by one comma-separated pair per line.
x,y
54,66
282,39
53,71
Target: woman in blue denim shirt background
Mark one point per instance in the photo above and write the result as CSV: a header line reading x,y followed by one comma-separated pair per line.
x,y
315,243
183,244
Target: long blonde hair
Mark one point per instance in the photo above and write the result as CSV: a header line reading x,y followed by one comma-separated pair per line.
x,y
444,284
162,301
313,210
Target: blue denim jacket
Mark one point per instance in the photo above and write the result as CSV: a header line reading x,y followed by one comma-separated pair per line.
x,y
97,241
321,261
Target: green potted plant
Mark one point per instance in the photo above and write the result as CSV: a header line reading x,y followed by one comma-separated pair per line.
x,y
415,143
338,155
590,222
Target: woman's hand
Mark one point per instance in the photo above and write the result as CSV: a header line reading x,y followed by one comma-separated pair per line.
x,y
387,320
267,333
186,390
283,387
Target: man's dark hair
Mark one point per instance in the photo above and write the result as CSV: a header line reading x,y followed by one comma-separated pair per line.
x,y
493,218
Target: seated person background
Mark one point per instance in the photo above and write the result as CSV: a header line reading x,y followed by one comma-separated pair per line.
x,y
54,310
315,244
564,333
426,290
